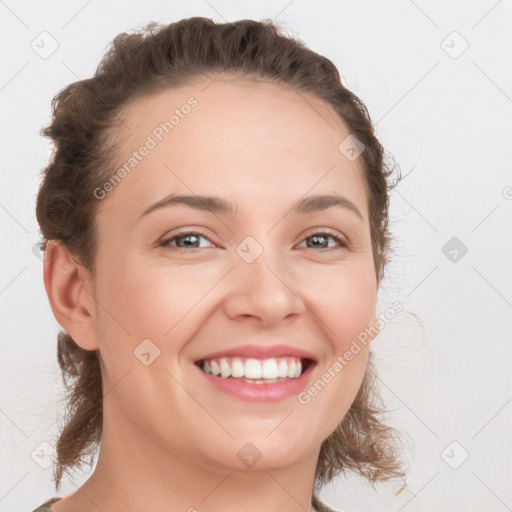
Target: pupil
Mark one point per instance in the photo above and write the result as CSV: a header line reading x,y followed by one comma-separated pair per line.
x,y
184,238
317,238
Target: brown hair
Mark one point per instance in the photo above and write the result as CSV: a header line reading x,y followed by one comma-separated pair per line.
x,y
83,128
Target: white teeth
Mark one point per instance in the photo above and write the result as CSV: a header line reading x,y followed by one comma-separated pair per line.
x,y
237,368
269,369
215,368
259,371
291,370
225,369
282,369
252,369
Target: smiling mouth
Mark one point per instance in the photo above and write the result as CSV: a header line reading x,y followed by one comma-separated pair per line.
x,y
256,371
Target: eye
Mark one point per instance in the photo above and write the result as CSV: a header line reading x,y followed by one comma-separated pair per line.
x,y
321,238
188,238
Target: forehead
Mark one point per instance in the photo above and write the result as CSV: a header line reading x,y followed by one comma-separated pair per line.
x,y
236,138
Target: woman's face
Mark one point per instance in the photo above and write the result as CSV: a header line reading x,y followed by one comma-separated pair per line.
x,y
262,277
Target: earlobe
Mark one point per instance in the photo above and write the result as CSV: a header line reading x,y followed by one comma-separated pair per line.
x,y
69,291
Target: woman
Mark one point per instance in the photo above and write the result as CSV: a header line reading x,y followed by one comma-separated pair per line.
x,y
214,220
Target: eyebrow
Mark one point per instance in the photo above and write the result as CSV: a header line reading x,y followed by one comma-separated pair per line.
x,y
309,204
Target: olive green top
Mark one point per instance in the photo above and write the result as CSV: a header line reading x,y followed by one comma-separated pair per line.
x,y
45,507
317,505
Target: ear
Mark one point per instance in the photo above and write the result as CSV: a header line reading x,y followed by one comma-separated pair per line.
x,y
69,288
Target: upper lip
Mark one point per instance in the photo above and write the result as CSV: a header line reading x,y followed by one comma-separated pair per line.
x,y
260,352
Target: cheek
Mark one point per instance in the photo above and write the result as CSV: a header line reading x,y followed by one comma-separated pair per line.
x,y
346,307
138,301
345,300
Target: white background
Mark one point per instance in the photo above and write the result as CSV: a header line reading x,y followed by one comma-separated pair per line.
x,y
445,362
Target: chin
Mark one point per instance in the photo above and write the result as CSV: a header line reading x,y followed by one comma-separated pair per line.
x,y
263,452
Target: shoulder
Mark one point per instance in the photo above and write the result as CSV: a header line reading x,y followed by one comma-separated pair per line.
x,y
45,507
318,506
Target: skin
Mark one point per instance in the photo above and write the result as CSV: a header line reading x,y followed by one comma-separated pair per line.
x,y
170,439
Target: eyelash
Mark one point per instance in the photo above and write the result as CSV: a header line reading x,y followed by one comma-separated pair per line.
x,y
331,234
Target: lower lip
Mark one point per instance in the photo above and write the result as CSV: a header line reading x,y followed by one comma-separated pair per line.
x,y
259,392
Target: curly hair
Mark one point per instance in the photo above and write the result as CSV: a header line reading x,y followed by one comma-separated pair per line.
x,y
85,120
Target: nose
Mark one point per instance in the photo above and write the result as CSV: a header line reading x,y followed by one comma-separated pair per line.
x,y
263,291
